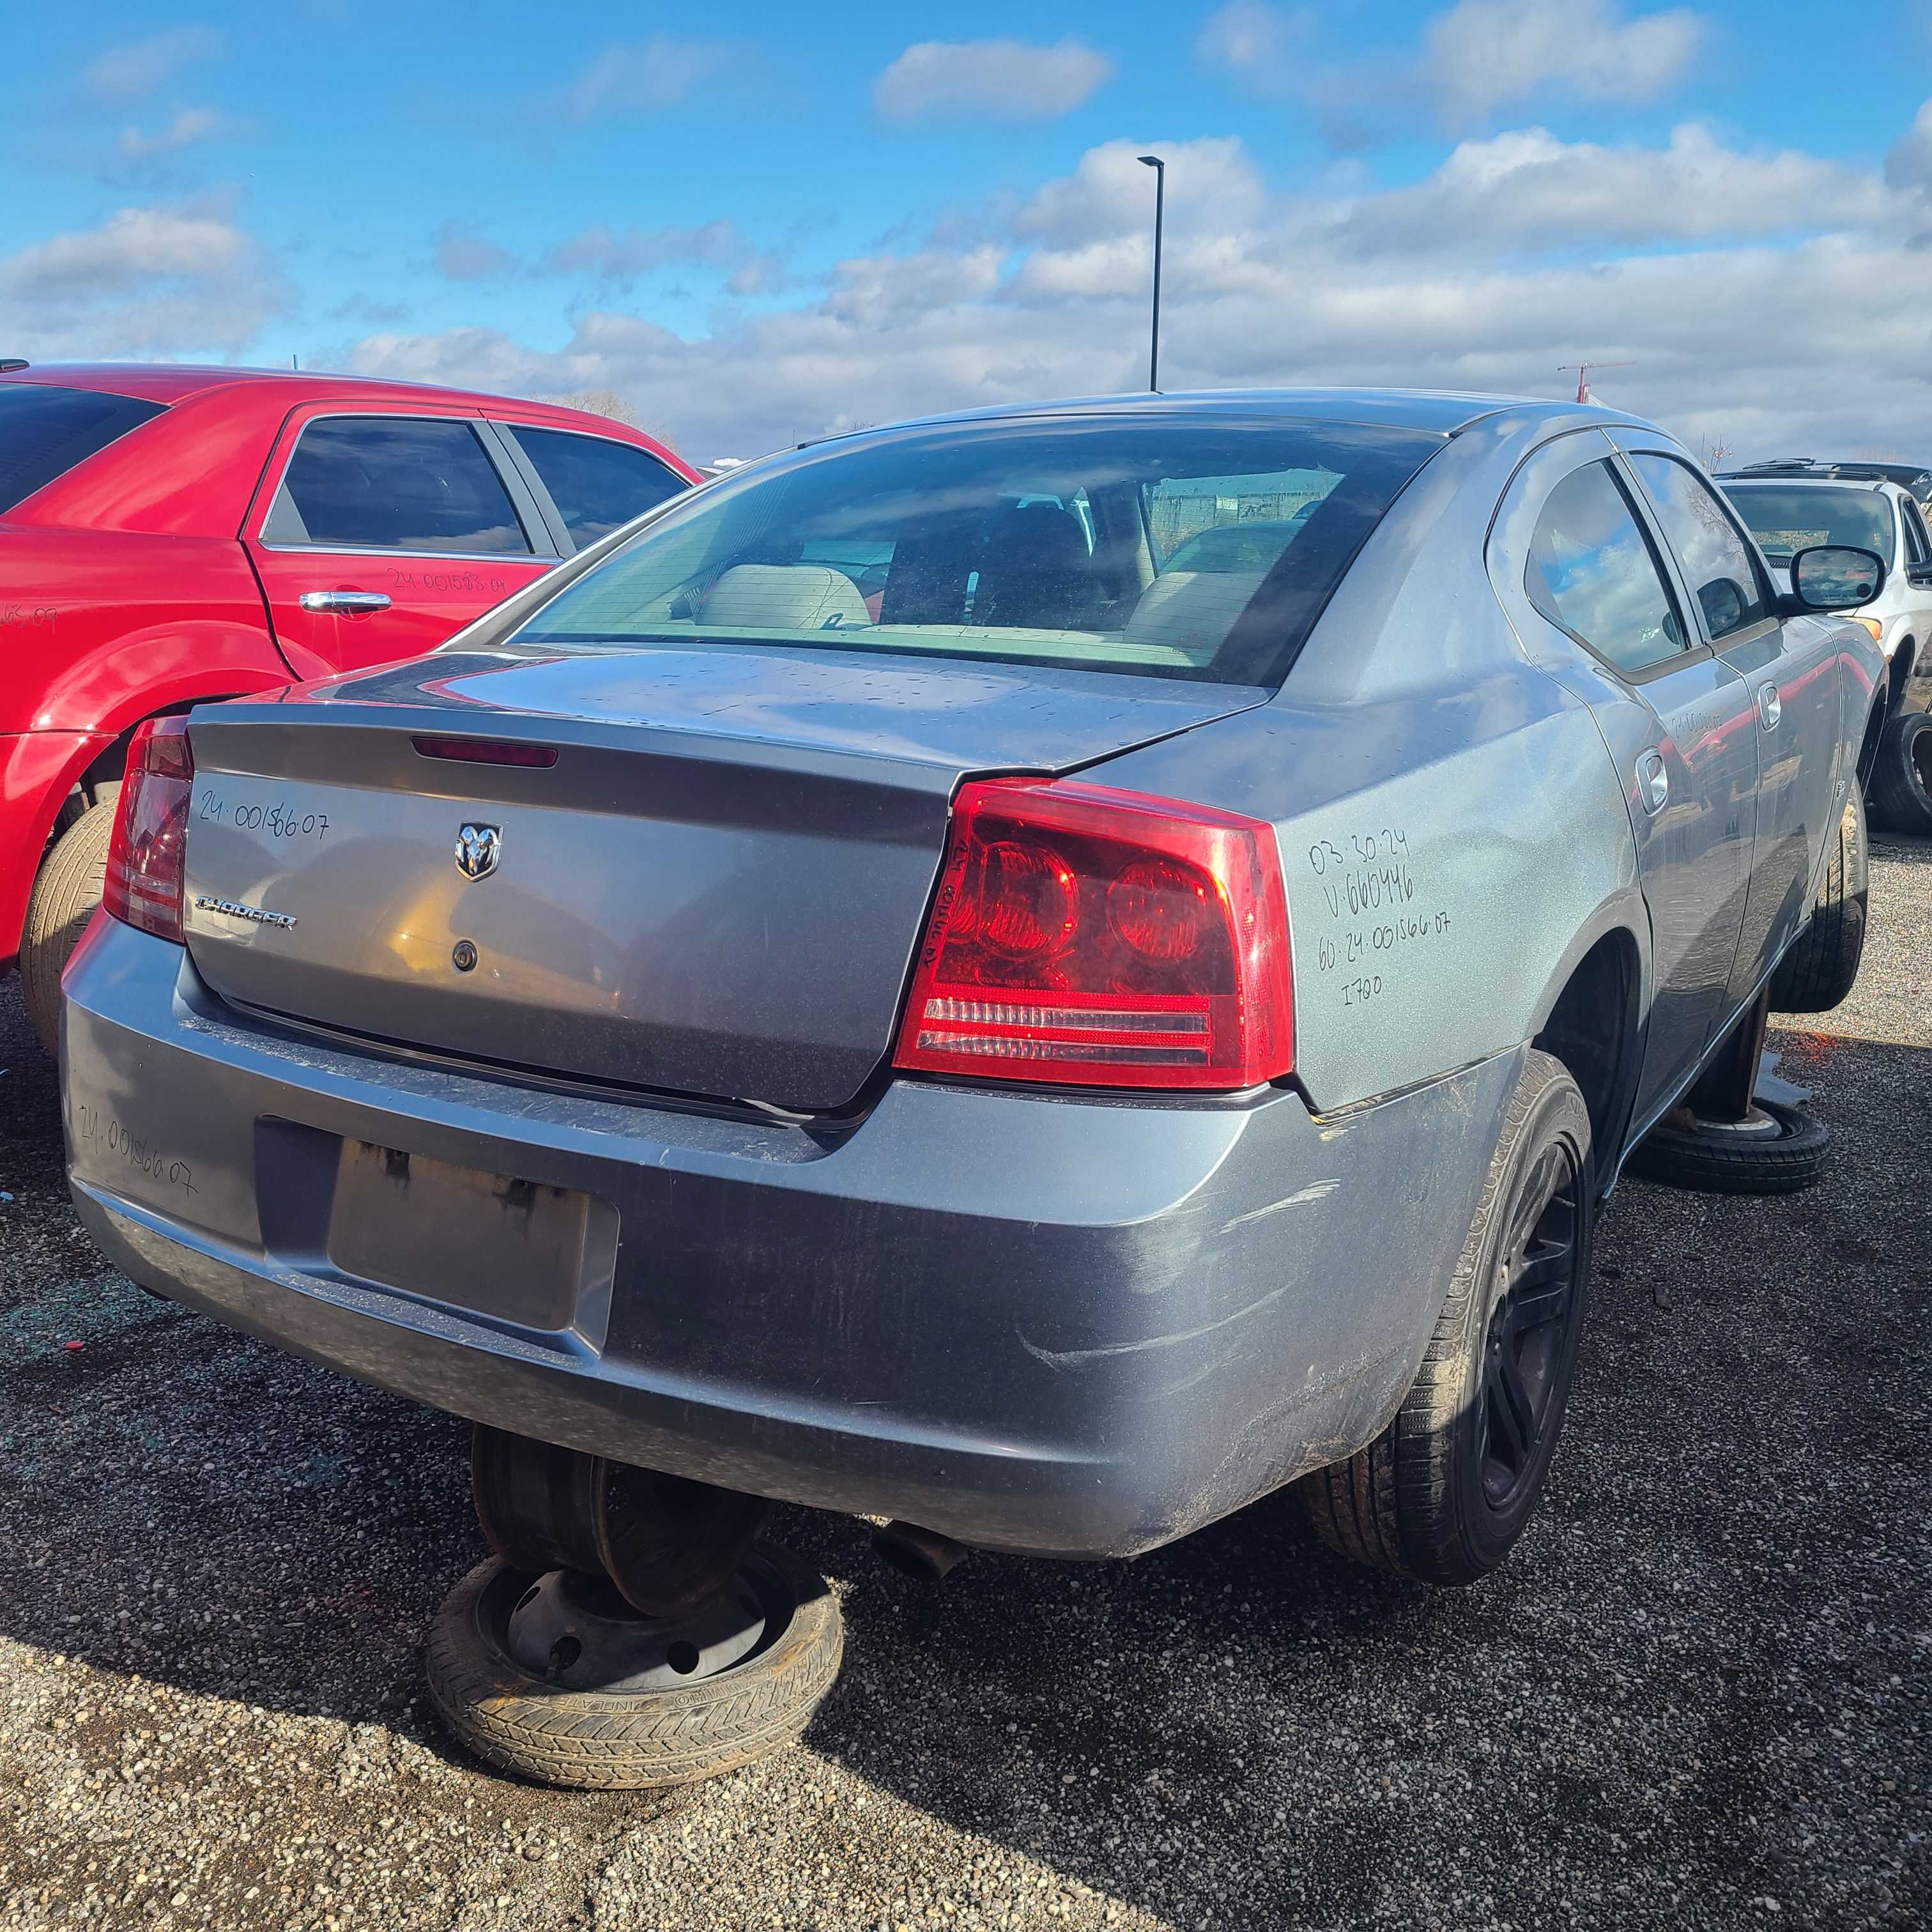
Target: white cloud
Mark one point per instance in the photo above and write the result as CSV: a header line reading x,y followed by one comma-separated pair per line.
x,y
146,282
1909,164
187,127
884,291
1476,56
1111,193
620,255
137,68
1536,190
647,78
1264,48
1774,298
1486,275
1484,53
1000,80
462,255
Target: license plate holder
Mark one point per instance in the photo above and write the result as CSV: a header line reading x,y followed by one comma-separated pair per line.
x,y
511,1250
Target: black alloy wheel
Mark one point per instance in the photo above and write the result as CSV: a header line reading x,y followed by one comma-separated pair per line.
x,y
1540,1267
1443,1494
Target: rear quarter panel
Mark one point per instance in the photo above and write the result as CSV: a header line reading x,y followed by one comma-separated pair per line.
x,y
100,629
1452,835
123,624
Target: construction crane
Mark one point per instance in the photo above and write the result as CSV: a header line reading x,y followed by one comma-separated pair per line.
x,y
1582,370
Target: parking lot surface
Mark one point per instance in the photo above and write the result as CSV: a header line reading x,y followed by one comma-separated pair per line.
x,y
1697,1697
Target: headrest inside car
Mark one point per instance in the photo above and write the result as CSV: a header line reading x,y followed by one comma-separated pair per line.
x,y
1192,611
783,597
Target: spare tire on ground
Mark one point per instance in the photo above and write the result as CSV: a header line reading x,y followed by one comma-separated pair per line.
x,y
558,1678
1775,1149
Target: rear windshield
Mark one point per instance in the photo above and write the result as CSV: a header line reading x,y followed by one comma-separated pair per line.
x,y
45,431
1190,547
1786,519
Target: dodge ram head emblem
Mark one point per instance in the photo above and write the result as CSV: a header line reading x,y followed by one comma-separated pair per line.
x,y
478,849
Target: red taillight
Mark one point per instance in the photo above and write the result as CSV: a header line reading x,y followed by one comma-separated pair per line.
x,y
148,853
1103,938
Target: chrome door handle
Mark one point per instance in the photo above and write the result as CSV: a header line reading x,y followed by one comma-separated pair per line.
x,y
1770,706
344,603
1653,782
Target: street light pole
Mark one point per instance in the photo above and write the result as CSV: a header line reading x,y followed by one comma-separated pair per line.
x,y
1159,168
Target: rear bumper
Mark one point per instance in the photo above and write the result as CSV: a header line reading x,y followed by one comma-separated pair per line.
x,y
1056,1326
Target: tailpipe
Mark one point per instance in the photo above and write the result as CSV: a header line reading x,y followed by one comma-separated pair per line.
x,y
923,1554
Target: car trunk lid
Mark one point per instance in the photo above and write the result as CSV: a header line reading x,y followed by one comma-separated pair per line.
x,y
715,888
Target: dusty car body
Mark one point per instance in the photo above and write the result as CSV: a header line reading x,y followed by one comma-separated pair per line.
x,y
552,1037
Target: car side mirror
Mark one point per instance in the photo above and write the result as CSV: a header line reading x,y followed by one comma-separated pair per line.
x,y
1919,576
1724,605
1836,577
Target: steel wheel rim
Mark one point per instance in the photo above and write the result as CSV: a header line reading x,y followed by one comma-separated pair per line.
x,y
1539,1266
576,1632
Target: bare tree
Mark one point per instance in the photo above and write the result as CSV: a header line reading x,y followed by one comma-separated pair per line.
x,y
1717,452
600,403
609,403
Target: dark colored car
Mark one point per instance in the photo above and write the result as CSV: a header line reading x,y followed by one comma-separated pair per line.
x,y
173,535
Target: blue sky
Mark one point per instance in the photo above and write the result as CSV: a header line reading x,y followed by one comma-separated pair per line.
x,y
756,223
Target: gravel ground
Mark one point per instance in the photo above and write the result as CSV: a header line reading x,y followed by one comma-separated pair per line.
x,y
1697,1698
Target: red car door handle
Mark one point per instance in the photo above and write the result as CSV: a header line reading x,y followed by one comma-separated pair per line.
x,y
345,603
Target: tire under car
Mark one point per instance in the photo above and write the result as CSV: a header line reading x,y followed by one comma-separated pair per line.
x,y
1822,966
1725,1139
1775,1149
558,1678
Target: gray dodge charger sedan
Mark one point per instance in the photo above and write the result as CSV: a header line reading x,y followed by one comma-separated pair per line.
x,y
923,979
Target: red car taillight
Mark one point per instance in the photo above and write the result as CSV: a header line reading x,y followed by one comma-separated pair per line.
x,y
1105,939
147,855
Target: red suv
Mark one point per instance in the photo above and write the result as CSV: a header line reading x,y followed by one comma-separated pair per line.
x,y
172,536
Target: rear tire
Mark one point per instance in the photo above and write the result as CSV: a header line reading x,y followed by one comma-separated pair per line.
x,y
1822,966
638,1739
65,896
1444,1492
1901,779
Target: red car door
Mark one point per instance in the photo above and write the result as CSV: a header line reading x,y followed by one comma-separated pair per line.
x,y
382,532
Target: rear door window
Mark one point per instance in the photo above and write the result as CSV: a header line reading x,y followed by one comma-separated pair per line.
x,y
1592,573
421,483
1716,560
44,431
598,485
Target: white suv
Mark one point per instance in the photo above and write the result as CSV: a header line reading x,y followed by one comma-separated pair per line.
x,y
1787,514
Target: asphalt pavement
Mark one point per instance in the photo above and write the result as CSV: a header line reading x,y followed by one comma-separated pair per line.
x,y
1697,1697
